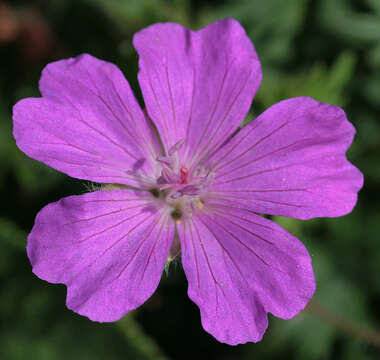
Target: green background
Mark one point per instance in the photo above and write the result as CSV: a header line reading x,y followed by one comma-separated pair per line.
x,y
327,49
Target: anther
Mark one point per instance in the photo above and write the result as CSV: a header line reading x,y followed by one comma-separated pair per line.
x,y
200,204
176,147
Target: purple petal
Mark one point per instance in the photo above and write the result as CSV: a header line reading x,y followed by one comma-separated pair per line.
x,y
291,161
107,247
241,266
197,86
88,123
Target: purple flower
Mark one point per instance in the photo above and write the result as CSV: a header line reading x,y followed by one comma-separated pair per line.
x,y
198,187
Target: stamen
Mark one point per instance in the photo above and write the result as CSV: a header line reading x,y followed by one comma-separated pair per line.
x,y
164,160
161,180
169,176
181,186
191,190
176,147
176,195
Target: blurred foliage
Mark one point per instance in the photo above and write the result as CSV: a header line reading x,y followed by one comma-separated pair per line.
x,y
33,324
273,25
137,12
329,50
321,82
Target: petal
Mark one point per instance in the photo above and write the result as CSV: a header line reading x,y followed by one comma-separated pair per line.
x,y
291,161
199,85
241,266
107,247
88,123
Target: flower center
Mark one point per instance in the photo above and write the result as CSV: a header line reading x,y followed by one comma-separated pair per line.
x,y
181,187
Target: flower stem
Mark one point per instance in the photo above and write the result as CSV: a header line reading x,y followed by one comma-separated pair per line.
x,y
136,337
347,327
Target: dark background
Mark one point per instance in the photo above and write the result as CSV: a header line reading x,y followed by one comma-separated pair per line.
x,y
328,49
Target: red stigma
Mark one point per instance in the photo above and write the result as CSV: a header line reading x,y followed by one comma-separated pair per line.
x,y
184,173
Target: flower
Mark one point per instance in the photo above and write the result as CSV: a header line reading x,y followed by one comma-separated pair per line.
x,y
198,187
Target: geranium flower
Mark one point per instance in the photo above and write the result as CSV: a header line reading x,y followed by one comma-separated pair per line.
x,y
184,179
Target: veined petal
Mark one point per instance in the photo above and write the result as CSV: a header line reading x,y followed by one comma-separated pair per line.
x,y
108,247
88,123
197,86
241,266
291,161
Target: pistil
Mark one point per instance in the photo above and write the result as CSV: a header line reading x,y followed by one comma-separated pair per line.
x,y
184,174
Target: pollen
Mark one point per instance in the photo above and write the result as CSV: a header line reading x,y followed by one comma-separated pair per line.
x,y
200,204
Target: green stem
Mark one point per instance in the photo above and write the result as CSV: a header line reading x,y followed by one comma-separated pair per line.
x,y
347,327
142,342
